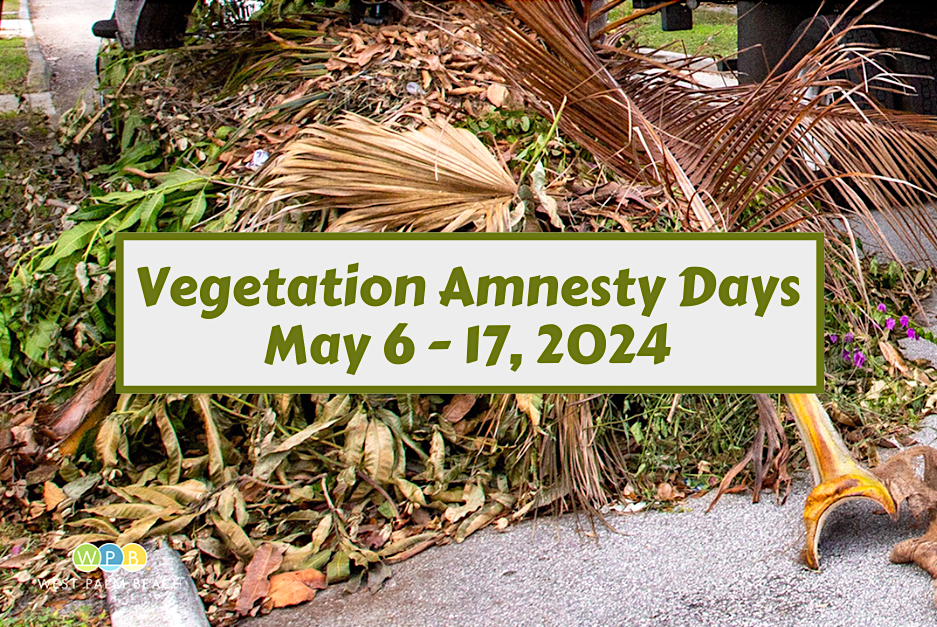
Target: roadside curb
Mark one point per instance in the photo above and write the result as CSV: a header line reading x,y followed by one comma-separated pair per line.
x,y
39,78
162,594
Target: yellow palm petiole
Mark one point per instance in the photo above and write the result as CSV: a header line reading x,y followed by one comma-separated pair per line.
x,y
838,478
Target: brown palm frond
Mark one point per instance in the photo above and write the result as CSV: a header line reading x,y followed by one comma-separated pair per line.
x,y
598,113
753,157
800,151
571,464
380,178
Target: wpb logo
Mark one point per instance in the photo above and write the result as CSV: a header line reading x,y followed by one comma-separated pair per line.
x,y
109,557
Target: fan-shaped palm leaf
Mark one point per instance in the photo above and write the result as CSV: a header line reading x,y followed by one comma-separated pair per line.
x,y
378,178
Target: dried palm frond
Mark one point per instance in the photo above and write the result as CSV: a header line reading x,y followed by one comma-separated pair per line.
x,y
571,463
383,179
753,157
797,152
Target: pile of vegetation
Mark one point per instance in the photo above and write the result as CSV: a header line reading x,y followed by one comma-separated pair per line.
x,y
345,485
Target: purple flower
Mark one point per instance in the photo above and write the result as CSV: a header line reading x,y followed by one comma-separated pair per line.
x,y
912,334
858,359
905,321
846,356
849,338
834,339
890,324
881,307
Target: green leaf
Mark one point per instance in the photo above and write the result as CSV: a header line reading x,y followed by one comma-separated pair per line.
x,y
40,338
339,569
196,210
132,217
181,179
6,363
636,432
123,198
72,240
150,212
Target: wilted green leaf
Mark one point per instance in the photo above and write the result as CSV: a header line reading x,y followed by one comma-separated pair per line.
x,y
411,491
170,442
107,441
339,569
233,536
378,461
321,533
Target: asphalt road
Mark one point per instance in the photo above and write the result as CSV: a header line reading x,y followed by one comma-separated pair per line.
x,y
734,567
63,29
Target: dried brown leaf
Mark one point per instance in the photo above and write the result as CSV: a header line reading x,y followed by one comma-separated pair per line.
x,y
497,94
15,562
90,404
458,407
213,438
257,583
52,495
293,588
379,452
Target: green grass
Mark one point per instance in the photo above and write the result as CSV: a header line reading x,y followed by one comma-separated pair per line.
x,y
14,65
11,8
78,617
714,34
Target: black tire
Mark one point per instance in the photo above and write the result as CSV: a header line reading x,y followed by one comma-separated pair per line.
x,y
596,24
919,75
374,12
808,35
152,24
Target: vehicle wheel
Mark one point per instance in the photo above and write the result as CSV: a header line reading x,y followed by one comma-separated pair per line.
x,y
808,35
374,12
597,23
918,74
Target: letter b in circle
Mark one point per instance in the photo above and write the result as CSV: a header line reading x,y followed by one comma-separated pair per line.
x,y
134,557
112,557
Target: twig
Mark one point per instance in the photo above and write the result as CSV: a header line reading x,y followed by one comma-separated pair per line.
x,y
15,396
383,492
275,486
673,407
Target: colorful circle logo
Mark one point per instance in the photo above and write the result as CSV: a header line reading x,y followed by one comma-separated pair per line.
x,y
109,557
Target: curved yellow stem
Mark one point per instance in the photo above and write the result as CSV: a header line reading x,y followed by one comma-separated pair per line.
x,y
837,476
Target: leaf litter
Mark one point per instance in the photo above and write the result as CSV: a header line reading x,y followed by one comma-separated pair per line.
x,y
271,497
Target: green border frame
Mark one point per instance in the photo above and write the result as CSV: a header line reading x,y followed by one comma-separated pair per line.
x,y
821,320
